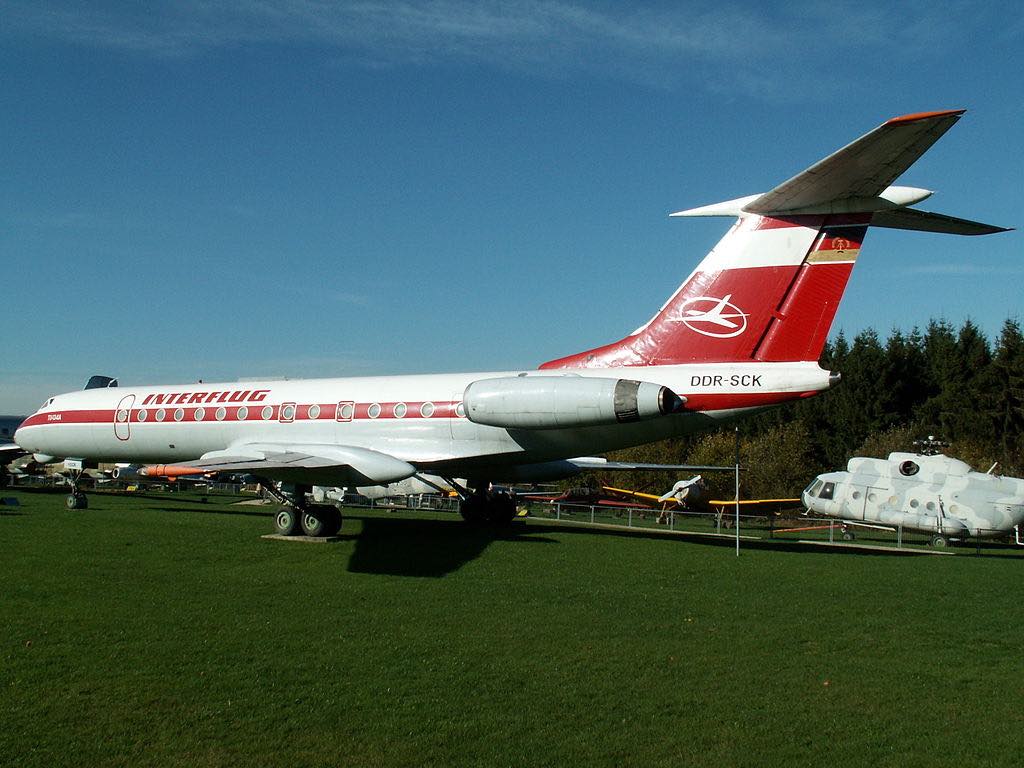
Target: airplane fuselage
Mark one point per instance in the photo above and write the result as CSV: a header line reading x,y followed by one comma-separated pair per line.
x,y
417,418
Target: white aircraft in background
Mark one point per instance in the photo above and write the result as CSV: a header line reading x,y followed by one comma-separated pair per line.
x,y
9,450
765,298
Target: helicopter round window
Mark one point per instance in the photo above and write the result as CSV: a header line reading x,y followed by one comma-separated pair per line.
x,y
872,497
179,414
313,412
200,414
930,506
914,503
909,468
856,494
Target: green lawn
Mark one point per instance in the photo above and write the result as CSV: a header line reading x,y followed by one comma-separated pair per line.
x,y
164,631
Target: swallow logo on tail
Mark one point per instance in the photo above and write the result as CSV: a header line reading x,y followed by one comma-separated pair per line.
x,y
711,316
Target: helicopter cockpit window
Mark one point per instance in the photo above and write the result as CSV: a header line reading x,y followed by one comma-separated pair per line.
x,y
827,491
813,488
909,468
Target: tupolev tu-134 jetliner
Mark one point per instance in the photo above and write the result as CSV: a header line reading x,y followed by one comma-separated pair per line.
x,y
743,332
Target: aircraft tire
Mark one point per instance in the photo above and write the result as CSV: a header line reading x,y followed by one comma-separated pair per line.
x,y
939,542
286,522
76,501
473,509
318,520
849,536
501,509
334,520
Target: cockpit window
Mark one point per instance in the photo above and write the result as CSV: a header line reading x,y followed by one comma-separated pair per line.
x,y
827,491
813,488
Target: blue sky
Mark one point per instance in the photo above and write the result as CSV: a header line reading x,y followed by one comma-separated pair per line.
x,y
295,188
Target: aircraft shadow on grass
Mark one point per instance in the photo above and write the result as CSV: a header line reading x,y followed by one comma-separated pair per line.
x,y
403,546
432,548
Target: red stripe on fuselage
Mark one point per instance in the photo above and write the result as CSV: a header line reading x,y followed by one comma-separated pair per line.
x,y
708,401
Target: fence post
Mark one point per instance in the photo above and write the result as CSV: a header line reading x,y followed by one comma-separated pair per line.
x,y
630,523
591,514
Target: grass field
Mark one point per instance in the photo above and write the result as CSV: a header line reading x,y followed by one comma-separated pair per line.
x,y
164,631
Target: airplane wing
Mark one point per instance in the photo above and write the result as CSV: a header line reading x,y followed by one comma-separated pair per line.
x,y
335,465
862,169
596,462
10,451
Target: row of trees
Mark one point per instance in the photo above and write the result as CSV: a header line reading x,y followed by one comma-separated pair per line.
x,y
943,381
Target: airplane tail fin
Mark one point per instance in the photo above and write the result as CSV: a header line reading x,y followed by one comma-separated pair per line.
x,y
770,289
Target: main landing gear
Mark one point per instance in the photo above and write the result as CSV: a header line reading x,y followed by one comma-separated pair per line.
x,y
296,517
488,506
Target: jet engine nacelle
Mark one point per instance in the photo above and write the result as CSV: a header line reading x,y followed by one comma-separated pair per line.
x,y
126,472
552,402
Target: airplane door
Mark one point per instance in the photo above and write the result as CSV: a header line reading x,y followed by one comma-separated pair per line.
x,y
873,499
123,417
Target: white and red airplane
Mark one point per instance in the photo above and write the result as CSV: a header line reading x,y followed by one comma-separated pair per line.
x,y
743,332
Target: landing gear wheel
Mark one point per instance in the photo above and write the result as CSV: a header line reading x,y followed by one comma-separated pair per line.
x,y
76,500
333,521
939,542
286,522
320,520
501,508
849,536
473,508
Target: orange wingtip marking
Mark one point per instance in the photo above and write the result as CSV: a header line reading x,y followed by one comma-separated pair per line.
x,y
924,116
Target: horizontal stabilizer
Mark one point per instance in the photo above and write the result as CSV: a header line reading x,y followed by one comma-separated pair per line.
x,y
861,169
926,221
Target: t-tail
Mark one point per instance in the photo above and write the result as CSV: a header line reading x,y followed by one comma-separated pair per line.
x,y
770,289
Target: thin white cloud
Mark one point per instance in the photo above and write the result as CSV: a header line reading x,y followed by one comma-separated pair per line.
x,y
660,46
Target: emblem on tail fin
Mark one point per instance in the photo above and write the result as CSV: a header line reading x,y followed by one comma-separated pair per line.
x,y
722,319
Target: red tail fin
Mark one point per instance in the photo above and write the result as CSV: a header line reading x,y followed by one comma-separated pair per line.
x,y
768,291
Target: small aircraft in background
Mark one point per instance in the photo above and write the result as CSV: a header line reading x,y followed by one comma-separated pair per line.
x,y
9,450
932,493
